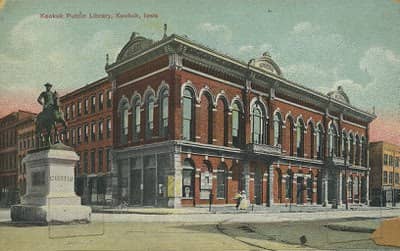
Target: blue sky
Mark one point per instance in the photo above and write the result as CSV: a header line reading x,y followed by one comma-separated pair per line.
x,y
319,44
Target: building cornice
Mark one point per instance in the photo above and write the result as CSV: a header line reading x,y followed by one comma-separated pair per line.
x,y
205,56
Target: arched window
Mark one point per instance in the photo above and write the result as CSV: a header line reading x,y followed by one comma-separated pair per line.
x,y
312,139
188,115
124,106
344,145
221,180
351,149
300,138
358,148
149,116
257,124
277,129
206,121
236,125
319,142
363,151
136,119
332,143
164,113
291,136
188,179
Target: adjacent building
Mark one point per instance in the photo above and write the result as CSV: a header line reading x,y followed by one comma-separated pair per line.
x,y
192,124
26,140
10,128
385,172
88,114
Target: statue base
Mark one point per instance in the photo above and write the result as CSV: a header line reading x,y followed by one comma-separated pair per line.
x,y
50,196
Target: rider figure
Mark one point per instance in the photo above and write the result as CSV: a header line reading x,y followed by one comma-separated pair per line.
x,y
48,97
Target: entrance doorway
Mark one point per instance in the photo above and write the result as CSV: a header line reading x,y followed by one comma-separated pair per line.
x,y
149,187
300,190
258,180
136,181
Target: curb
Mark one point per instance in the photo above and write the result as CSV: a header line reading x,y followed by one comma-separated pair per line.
x,y
338,227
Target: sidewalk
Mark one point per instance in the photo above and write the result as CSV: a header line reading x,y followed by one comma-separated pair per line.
x,y
150,210
252,209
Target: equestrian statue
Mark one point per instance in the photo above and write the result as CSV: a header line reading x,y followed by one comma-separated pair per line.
x,y
49,117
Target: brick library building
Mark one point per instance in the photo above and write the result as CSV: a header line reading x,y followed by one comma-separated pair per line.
x,y
190,123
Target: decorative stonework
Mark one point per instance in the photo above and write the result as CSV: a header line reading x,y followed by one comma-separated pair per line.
x,y
265,63
339,95
135,45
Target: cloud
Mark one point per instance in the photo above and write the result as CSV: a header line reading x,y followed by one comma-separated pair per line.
x,y
209,27
246,48
304,27
308,74
216,33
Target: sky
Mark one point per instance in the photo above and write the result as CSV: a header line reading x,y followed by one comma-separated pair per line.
x,y
320,44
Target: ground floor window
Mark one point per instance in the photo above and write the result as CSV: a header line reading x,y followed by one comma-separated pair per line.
x,y
289,186
188,179
221,179
309,189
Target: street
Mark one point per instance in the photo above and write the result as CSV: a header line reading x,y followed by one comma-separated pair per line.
x,y
271,231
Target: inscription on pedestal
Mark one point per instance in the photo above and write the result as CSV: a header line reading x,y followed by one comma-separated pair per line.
x,y
38,178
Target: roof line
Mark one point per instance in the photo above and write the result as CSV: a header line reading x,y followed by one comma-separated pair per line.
x,y
94,83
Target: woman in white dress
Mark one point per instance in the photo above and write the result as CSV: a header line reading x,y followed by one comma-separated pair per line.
x,y
243,202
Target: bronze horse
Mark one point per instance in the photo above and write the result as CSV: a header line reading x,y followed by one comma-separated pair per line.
x,y
48,120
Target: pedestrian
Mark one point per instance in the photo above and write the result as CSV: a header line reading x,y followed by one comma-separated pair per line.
x,y
243,201
238,198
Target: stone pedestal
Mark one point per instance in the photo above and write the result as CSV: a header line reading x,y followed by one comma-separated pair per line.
x,y
50,196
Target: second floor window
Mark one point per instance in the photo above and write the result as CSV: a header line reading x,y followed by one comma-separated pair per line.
x,y
136,119
277,129
164,113
86,132
300,138
320,140
100,130
108,127
79,136
351,155
93,132
257,125
149,116
188,110
124,122
236,125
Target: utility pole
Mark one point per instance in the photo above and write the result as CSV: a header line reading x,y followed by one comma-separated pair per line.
x,y
345,177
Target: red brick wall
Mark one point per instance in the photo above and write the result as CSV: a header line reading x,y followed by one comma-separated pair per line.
x,y
79,121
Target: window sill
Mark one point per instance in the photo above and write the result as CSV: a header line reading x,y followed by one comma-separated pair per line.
x,y
187,198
